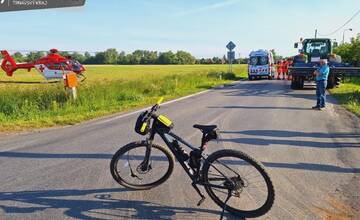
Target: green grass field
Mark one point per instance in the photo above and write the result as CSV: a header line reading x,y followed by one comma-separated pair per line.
x,y
26,102
348,94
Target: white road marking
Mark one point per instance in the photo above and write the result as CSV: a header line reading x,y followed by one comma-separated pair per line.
x,y
143,109
165,103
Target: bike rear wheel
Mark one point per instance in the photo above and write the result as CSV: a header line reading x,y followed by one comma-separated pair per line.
x,y
249,191
126,166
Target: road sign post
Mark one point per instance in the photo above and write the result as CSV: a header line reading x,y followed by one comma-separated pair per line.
x,y
231,58
231,54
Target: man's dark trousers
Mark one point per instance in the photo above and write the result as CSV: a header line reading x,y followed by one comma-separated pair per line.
x,y
321,93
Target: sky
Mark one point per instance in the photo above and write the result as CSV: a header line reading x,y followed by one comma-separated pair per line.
x,y
202,27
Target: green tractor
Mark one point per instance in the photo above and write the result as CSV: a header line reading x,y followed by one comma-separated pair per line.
x,y
308,60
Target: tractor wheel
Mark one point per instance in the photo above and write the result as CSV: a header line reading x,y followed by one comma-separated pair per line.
x,y
301,83
297,83
294,83
333,80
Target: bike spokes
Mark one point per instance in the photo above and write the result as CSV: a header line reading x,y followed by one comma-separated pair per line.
x,y
130,166
131,170
244,185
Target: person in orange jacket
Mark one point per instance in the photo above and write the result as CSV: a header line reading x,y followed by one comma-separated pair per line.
x,y
279,69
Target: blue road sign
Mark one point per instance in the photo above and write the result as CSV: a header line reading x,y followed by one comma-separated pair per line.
x,y
230,45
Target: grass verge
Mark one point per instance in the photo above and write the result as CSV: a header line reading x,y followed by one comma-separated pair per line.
x,y
27,104
348,95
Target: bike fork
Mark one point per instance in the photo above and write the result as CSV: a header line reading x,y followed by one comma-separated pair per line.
x,y
145,164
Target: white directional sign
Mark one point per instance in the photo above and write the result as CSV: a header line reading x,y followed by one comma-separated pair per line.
x,y
230,45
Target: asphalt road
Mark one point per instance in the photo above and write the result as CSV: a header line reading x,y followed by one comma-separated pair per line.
x,y
313,158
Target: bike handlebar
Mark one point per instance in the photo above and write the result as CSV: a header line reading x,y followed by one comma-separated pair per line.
x,y
155,108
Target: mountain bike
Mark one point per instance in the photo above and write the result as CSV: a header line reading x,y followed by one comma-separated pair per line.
x,y
235,181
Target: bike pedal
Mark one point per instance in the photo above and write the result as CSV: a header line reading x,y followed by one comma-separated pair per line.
x,y
201,201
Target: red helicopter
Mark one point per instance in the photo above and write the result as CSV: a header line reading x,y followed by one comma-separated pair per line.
x,y
52,66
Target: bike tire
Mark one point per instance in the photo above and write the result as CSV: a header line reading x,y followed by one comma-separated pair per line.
x,y
142,144
257,165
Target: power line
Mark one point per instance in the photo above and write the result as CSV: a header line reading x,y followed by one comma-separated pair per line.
x,y
342,26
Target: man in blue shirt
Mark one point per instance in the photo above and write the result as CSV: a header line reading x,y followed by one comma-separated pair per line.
x,y
322,74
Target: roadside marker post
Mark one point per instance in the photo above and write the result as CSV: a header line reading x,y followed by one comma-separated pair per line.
x,y
230,54
70,84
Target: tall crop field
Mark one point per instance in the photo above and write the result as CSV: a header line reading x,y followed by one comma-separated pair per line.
x,y
26,101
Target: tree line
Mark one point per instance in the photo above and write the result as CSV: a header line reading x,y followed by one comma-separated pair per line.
x,y
112,56
350,52
138,57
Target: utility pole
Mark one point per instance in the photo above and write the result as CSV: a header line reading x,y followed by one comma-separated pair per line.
x,y
315,33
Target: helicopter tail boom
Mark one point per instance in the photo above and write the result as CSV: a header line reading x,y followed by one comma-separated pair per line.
x,y
8,64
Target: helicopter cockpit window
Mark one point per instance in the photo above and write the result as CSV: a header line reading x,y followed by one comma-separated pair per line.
x,y
75,65
65,66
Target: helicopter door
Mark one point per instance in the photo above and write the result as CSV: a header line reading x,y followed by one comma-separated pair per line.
x,y
50,71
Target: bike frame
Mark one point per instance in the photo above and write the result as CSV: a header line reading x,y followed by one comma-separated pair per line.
x,y
168,137
196,164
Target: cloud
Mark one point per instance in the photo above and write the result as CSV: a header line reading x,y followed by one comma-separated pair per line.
x,y
207,8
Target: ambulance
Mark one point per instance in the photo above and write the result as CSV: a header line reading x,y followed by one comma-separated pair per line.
x,y
261,65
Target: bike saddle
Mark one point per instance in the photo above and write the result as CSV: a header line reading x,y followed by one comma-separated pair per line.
x,y
205,128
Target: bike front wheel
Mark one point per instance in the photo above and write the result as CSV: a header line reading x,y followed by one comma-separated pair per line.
x,y
238,183
127,166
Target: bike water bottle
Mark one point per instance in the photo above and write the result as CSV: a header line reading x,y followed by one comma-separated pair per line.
x,y
180,150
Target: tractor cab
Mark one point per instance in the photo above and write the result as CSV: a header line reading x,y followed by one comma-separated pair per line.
x,y
308,59
315,49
